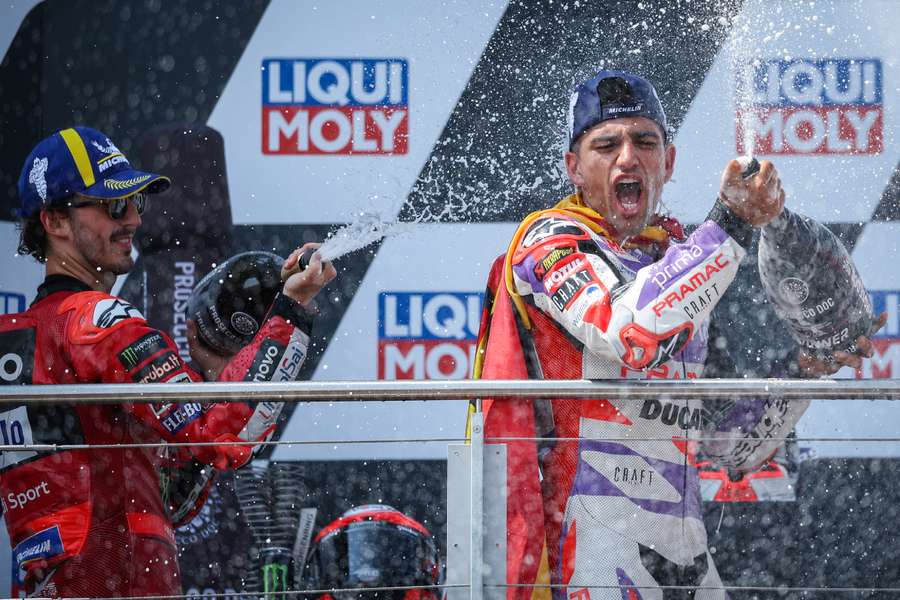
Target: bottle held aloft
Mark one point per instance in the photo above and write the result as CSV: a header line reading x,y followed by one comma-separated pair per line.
x,y
231,302
813,285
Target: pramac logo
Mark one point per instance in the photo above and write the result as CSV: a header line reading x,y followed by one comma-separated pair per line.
x,y
335,106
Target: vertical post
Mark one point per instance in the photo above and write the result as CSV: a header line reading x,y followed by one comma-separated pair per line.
x,y
476,545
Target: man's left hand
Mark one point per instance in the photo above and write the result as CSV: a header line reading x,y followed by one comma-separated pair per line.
x,y
812,367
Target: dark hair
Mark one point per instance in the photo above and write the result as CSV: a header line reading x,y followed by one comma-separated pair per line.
x,y
32,235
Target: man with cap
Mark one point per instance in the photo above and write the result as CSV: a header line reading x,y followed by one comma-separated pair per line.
x,y
91,522
607,504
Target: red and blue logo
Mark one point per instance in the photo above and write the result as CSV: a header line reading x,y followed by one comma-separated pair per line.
x,y
42,545
335,106
427,335
814,107
885,362
11,302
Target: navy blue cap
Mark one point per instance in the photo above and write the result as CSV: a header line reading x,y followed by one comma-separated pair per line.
x,y
84,161
613,95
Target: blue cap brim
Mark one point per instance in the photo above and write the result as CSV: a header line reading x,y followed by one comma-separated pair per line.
x,y
127,182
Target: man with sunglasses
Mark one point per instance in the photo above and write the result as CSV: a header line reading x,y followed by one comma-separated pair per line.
x,y
91,522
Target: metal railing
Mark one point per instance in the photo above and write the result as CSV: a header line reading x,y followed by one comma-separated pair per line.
x,y
332,391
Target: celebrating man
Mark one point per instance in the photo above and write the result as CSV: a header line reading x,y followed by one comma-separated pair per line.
x,y
600,286
90,522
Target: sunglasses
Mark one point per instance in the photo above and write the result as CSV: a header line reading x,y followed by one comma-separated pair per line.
x,y
118,206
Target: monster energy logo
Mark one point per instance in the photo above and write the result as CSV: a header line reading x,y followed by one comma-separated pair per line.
x,y
129,357
141,350
275,580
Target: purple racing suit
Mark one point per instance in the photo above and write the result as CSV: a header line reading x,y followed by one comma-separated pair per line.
x,y
618,485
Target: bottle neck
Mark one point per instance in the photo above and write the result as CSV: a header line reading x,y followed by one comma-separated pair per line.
x,y
781,221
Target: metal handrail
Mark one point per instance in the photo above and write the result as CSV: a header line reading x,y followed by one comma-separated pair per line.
x,y
336,391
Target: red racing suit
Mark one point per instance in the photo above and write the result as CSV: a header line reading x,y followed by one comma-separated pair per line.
x,y
607,506
91,522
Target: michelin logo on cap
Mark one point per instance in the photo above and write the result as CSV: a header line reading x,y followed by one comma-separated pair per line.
x,y
36,176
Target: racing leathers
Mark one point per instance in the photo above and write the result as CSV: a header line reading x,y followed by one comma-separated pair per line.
x,y
90,522
607,504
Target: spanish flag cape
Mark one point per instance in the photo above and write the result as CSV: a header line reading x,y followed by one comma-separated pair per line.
x,y
505,351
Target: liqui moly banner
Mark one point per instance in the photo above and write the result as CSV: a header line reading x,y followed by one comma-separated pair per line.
x,y
813,106
885,361
427,335
335,106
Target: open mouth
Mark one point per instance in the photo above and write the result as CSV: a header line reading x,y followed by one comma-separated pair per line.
x,y
628,193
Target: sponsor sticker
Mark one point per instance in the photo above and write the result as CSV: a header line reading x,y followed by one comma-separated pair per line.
x,y
546,264
266,361
11,302
139,351
184,278
793,290
304,535
158,369
37,175
293,357
16,500
335,106
552,227
570,287
181,416
111,155
668,413
262,421
813,106
427,335
110,311
42,545
243,323
555,278
15,430
885,361
17,356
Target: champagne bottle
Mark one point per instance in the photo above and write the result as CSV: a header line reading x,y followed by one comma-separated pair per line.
x,y
813,285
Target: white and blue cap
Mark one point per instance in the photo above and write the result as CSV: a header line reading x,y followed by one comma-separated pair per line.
x,y
84,161
613,95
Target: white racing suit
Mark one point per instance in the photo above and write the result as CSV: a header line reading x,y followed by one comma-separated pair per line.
x,y
618,485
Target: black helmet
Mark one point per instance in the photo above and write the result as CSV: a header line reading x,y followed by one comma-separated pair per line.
x,y
230,303
374,546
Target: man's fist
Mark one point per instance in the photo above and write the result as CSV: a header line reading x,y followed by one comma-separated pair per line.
x,y
302,286
757,199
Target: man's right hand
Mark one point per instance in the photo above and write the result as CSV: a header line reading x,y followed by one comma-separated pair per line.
x,y
758,199
813,368
302,286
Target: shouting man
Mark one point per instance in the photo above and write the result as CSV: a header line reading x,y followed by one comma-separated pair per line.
x,y
607,505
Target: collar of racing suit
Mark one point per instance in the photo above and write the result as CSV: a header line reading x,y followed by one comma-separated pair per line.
x,y
59,283
653,239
